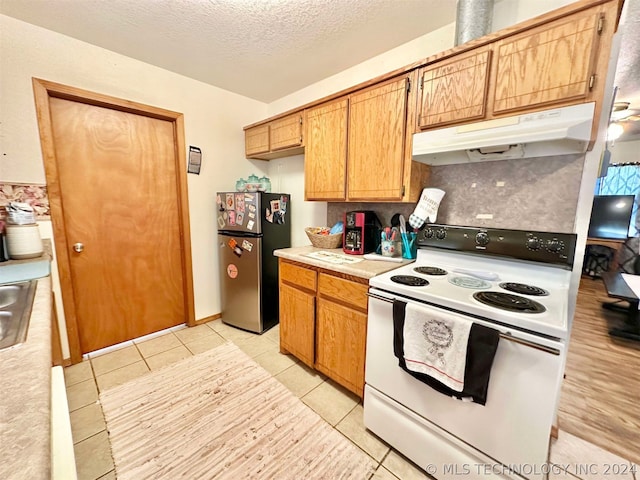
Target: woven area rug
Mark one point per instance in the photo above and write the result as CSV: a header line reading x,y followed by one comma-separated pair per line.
x,y
221,415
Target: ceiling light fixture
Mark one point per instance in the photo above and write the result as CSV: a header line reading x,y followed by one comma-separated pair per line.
x,y
618,106
614,131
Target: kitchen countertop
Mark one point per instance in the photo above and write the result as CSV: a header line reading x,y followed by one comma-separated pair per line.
x,y
364,269
25,392
20,270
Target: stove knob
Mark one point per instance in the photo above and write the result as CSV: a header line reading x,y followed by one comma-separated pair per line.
x,y
482,239
554,246
533,243
428,233
441,234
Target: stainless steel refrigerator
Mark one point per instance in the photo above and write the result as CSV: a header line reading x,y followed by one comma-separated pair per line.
x,y
251,225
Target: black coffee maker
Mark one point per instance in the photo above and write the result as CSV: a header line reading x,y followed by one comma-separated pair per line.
x,y
361,232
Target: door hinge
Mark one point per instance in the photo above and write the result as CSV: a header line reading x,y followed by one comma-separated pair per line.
x,y
600,25
592,81
300,119
408,84
300,138
402,191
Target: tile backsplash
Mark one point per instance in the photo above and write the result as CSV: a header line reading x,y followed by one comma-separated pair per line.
x,y
34,195
525,194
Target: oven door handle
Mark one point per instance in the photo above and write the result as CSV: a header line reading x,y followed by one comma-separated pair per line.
x,y
507,336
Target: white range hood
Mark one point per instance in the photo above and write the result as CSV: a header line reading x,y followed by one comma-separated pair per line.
x,y
558,131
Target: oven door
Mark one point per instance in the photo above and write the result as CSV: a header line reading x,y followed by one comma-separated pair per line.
x,y
514,426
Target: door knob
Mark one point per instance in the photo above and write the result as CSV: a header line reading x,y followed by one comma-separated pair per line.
x,y
78,247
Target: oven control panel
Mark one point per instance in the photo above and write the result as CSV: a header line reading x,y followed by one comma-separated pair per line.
x,y
544,247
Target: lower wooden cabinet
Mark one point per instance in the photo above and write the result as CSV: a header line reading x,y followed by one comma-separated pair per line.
x,y
323,321
297,308
341,334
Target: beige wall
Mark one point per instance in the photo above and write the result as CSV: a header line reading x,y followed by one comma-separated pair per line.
x,y
625,152
213,121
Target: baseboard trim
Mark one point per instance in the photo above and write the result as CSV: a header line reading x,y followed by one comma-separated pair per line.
x,y
210,318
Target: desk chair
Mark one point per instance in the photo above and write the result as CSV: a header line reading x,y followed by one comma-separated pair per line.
x,y
598,259
627,302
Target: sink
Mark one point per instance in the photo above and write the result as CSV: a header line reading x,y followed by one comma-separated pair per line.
x,y
16,300
8,295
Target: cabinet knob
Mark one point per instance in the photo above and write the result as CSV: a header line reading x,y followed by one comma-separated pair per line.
x,y
78,247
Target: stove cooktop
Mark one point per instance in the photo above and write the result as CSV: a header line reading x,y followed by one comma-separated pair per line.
x,y
530,296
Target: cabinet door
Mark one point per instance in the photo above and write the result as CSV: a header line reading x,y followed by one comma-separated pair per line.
x,y
548,64
297,325
256,140
454,90
286,132
340,344
325,151
377,126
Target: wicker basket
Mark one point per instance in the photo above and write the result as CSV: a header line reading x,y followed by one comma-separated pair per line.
x,y
323,241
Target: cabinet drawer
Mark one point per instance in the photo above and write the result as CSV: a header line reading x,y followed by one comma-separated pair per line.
x,y
299,276
346,291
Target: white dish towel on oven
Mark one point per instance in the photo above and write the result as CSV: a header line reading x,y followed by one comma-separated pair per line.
x,y
435,343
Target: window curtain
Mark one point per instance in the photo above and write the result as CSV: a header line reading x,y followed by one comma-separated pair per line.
x,y
623,180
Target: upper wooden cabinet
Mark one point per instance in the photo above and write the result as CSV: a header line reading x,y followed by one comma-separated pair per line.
x,y
556,63
356,147
281,137
256,140
548,64
358,142
325,156
454,90
377,128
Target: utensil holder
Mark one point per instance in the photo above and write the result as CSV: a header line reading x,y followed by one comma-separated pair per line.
x,y
409,246
391,248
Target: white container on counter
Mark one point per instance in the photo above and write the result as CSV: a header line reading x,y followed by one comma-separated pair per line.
x,y
23,241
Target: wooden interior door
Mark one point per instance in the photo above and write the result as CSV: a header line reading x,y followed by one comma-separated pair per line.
x,y
118,199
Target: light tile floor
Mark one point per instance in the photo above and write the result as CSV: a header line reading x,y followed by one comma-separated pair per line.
x,y
343,410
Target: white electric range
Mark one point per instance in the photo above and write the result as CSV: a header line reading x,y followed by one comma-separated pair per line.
x,y
516,282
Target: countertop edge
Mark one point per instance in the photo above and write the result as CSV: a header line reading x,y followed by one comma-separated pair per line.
x,y
25,396
366,269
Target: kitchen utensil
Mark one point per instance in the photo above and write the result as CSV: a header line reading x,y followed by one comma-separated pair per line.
x,y
375,256
402,224
409,246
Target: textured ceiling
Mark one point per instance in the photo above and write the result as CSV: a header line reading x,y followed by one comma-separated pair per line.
x,y
262,49
266,49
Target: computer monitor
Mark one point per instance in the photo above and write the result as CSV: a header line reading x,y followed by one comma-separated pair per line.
x,y
611,216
